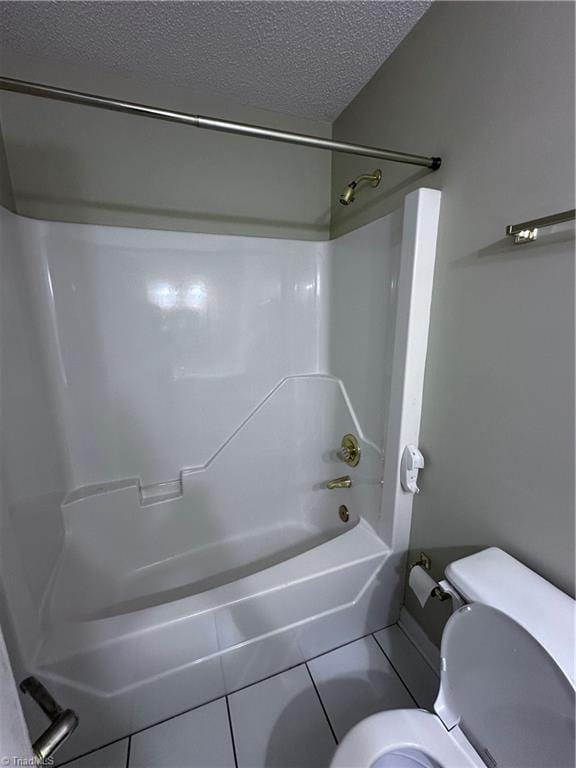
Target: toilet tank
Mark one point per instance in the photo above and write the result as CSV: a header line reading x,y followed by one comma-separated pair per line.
x,y
497,579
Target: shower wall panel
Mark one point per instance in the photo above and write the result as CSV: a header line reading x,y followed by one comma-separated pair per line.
x,y
364,269
136,354
32,480
165,342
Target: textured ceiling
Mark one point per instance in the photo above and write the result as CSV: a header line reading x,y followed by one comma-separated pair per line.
x,y
308,58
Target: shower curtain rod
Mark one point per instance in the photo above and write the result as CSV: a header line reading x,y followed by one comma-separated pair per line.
x,y
212,123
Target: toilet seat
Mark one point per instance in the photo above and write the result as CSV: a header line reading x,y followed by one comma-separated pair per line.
x,y
502,697
415,737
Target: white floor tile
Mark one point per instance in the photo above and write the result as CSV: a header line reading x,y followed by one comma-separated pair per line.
x,y
356,681
197,739
112,756
411,665
279,723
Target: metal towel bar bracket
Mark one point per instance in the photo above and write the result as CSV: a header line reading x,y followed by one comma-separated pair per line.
x,y
527,231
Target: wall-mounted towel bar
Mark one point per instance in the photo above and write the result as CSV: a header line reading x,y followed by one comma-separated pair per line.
x,y
527,231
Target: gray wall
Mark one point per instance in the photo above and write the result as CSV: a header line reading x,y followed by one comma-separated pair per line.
x,y
72,163
490,87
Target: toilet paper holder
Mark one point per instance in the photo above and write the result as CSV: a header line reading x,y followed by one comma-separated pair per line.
x,y
425,562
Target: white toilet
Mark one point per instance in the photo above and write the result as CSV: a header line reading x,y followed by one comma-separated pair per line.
x,y
507,692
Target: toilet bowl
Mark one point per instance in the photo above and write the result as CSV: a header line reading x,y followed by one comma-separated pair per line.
x,y
405,738
506,697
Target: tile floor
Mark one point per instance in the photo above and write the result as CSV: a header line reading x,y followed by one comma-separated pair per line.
x,y
291,720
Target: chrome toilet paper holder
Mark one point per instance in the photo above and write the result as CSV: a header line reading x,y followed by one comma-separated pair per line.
x,y
424,561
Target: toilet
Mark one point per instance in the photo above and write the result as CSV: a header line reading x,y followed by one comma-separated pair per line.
x,y
506,697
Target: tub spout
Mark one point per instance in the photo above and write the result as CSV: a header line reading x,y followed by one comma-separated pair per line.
x,y
339,482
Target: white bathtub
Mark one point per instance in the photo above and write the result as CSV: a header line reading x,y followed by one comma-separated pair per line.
x,y
160,648
218,583
136,599
127,650
135,669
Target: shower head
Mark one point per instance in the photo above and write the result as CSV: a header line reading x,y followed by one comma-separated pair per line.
x,y
348,194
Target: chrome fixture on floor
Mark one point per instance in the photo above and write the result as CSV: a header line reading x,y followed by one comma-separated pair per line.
x,y
348,194
63,722
339,482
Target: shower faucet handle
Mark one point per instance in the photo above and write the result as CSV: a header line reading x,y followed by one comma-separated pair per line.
x,y
344,454
349,450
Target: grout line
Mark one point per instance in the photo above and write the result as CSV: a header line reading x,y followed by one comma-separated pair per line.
x,y
236,690
305,661
268,677
91,751
232,733
395,670
128,752
140,730
321,702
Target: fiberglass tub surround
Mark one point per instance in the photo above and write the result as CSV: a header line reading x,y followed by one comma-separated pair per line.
x,y
194,393
231,519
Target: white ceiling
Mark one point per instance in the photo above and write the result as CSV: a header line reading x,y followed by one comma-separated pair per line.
x,y
307,58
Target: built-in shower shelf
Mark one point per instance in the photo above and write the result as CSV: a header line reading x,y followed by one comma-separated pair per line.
x,y
87,491
148,494
151,494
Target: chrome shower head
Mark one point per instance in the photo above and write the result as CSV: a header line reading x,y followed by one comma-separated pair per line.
x,y
348,194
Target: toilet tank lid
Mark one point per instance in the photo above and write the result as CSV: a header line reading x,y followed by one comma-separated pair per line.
x,y
497,579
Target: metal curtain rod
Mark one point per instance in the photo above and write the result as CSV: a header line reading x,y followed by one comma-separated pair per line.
x,y
528,230
212,123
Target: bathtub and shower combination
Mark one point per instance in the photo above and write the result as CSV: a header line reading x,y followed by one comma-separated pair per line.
x,y
174,406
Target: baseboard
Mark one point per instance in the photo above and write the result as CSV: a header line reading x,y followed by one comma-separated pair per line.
x,y
420,639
